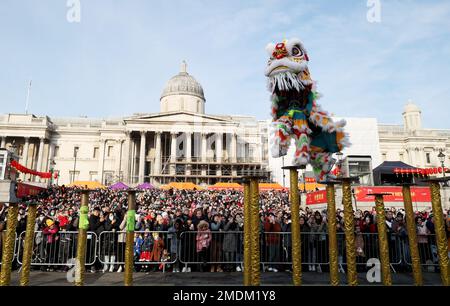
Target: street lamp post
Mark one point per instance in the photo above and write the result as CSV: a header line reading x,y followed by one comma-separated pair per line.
x,y
52,170
441,157
75,153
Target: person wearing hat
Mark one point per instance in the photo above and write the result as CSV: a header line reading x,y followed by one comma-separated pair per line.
x,y
51,240
203,242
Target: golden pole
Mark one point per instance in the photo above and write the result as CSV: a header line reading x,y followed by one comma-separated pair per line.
x,y
295,226
255,233
412,236
247,234
349,228
332,235
28,245
129,258
8,247
382,238
441,239
83,225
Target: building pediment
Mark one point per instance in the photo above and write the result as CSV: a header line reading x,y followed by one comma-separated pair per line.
x,y
178,117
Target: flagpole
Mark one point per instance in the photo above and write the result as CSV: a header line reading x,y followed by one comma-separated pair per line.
x,y
28,97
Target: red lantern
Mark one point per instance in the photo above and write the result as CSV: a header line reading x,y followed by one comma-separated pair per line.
x,y
440,170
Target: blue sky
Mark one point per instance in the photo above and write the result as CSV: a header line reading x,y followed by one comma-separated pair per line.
x,y
116,61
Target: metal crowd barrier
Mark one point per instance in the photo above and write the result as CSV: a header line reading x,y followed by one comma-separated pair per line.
x,y
367,247
224,248
276,248
427,251
58,250
147,250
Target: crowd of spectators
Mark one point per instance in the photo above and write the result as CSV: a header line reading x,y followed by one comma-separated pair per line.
x,y
201,228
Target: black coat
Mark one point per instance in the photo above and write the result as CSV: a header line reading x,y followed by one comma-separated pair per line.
x,y
95,225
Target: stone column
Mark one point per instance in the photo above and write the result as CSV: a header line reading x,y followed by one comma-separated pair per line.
x,y
173,152
157,167
127,158
188,152
233,153
101,161
51,156
25,155
203,147
203,152
219,147
40,156
133,160
3,144
219,153
142,157
119,158
233,149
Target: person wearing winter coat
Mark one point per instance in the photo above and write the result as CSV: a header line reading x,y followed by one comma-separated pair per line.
x,y
121,241
108,245
229,245
272,229
216,227
158,247
51,240
287,240
95,226
146,249
319,238
422,240
174,236
203,239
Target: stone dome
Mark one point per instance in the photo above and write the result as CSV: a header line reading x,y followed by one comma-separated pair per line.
x,y
183,84
410,107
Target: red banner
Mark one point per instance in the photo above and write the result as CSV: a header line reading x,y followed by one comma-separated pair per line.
x,y
418,194
24,190
317,197
23,169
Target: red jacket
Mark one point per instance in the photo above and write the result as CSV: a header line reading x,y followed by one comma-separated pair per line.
x,y
367,228
272,228
51,233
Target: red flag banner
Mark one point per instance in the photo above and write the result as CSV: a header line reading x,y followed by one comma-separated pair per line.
x,y
418,194
25,190
23,169
317,197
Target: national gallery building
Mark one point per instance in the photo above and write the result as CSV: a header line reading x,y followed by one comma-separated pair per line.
x,y
183,143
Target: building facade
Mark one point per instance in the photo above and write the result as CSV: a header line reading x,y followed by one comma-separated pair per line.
x,y
183,143
413,144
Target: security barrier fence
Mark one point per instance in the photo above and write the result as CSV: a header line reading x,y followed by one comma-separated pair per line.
x,y
217,248
155,247
57,250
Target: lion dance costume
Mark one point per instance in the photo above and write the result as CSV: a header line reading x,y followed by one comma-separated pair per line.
x,y
296,114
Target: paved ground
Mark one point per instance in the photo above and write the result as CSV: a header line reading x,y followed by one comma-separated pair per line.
x,y
195,278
